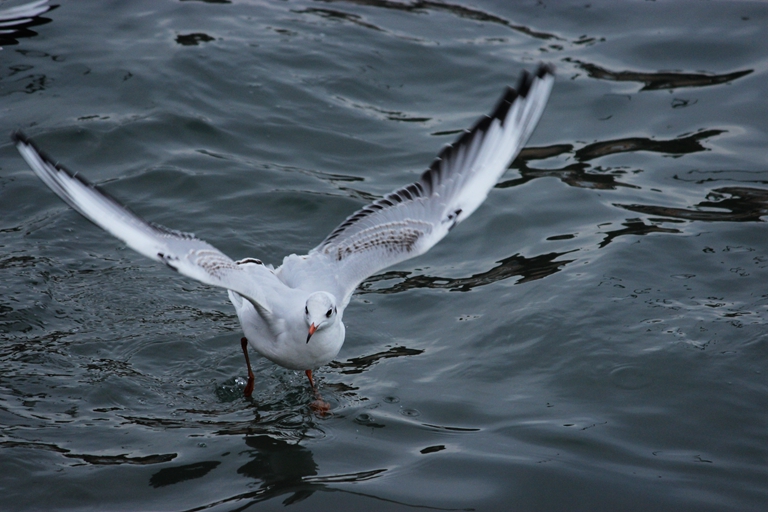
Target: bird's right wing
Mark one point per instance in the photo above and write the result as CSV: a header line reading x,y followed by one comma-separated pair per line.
x,y
409,221
182,252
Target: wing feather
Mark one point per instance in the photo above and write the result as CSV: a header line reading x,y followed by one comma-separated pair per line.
x,y
182,252
412,219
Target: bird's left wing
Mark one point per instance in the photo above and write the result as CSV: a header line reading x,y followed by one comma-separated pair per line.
x,y
409,221
182,252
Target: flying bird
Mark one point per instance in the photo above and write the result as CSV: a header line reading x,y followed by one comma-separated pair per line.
x,y
292,315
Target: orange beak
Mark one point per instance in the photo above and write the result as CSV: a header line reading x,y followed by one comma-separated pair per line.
x,y
312,330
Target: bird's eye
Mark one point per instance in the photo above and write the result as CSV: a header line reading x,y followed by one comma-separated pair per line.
x,y
306,310
328,313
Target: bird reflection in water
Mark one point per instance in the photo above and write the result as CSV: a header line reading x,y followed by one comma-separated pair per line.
x,y
16,22
283,469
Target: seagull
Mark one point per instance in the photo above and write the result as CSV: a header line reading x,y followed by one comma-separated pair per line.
x,y
292,315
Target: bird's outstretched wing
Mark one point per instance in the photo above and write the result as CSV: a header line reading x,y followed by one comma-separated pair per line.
x,y
180,251
409,221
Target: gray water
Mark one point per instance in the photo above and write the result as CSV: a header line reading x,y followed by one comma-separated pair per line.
x,y
592,338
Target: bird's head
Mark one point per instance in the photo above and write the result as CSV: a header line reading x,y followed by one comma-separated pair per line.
x,y
319,312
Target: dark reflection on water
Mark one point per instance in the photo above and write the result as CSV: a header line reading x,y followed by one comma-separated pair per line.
x,y
659,80
124,459
391,115
339,15
458,10
193,39
529,269
293,422
737,204
177,474
97,460
576,174
15,22
360,364
433,449
26,83
281,469
634,227
682,145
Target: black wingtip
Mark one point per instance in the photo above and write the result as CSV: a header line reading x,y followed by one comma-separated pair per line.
x,y
432,175
17,136
545,69
525,82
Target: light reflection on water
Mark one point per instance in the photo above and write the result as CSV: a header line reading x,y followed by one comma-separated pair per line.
x,y
607,351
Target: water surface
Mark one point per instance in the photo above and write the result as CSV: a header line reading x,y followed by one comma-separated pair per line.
x,y
592,338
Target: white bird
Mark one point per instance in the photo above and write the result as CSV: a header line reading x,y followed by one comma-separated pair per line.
x,y
292,315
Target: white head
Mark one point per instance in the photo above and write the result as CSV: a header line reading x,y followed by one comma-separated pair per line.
x,y
320,312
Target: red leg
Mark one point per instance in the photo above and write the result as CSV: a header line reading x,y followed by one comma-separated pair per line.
x,y
248,391
311,380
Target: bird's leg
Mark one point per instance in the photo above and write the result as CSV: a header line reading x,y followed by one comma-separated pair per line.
x,y
248,391
319,405
311,380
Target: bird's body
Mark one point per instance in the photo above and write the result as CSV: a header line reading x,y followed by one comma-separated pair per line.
x,y
283,340
292,315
